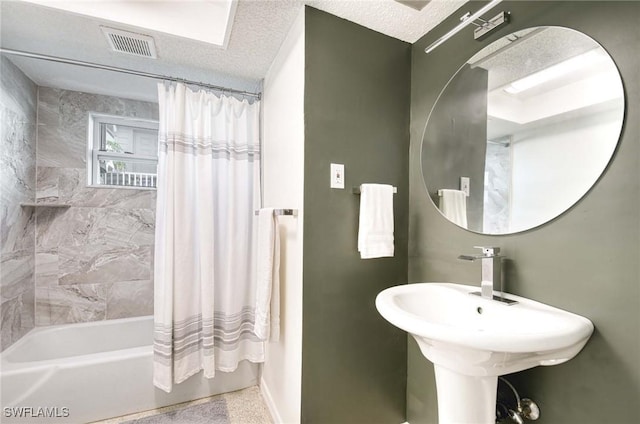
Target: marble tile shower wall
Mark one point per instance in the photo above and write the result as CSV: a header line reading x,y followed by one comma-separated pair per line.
x,y
93,260
497,183
17,185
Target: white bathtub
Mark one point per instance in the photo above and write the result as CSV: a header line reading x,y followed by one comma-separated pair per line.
x,y
78,373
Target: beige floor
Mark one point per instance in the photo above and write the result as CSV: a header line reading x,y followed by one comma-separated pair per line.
x,y
244,407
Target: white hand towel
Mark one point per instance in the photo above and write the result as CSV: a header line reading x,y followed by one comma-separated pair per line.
x,y
453,205
375,235
267,325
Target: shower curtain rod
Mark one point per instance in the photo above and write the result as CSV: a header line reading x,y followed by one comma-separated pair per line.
x,y
126,71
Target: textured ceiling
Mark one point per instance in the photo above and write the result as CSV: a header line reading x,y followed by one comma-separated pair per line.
x,y
259,29
390,17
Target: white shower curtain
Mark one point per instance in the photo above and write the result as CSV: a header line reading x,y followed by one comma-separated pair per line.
x,y
208,190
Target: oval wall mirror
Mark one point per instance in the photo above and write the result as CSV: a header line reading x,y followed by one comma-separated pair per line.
x,y
528,124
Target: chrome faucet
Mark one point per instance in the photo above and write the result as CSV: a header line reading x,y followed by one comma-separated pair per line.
x,y
491,272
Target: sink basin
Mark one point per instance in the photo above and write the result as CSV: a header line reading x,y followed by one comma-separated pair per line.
x,y
477,336
472,340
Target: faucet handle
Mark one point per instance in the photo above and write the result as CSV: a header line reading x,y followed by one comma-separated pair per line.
x,y
488,251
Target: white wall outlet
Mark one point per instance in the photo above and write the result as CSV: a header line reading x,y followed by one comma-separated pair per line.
x,y
465,182
337,175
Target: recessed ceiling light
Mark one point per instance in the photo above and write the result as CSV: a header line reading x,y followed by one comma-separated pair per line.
x,y
207,21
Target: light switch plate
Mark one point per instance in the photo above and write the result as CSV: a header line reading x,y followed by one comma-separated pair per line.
x,y
464,185
337,175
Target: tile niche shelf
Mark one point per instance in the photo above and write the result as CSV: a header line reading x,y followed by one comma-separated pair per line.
x,y
44,205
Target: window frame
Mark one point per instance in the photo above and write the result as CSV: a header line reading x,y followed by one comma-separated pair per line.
x,y
94,138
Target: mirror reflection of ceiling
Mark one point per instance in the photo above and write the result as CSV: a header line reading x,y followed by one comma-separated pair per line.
x,y
531,50
259,29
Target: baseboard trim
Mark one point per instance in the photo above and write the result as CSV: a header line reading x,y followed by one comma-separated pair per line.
x,y
268,400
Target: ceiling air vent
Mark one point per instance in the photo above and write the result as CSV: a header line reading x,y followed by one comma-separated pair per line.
x,y
130,42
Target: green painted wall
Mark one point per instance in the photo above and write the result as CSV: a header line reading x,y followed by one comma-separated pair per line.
x,y
586,261
357,113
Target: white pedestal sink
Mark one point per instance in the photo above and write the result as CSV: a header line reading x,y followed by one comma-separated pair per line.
x,y
472,340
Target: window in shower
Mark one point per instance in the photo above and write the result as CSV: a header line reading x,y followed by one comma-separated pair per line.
x,y
122,152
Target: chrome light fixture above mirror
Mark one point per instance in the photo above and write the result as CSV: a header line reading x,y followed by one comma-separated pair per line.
x,y
482,29
532,120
